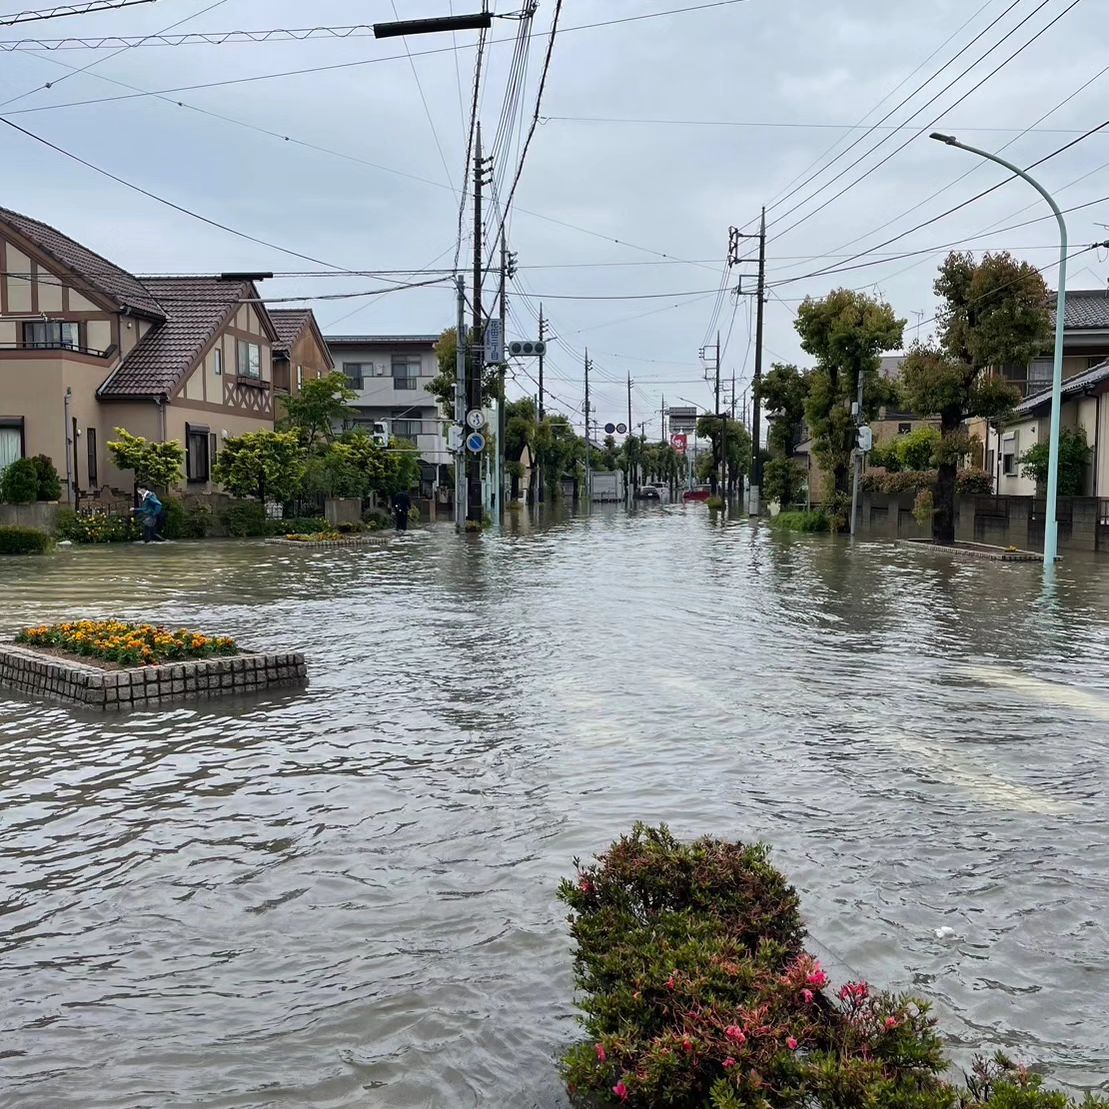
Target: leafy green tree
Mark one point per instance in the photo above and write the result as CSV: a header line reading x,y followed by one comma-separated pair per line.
x,y
996,312
402,467
319,413
268,465
731,439
783,392
609,458
845,332
50,483
442,385
559,451
1074,456
153,464
19,482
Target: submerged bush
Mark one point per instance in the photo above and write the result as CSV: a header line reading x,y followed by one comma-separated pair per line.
x,y
186,519
814,520
17,541
696,993
95,527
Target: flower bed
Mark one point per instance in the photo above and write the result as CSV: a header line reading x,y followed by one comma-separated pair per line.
x,y
697,993
126,644
315,537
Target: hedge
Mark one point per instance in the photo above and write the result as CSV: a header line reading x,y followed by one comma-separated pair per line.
x,y
696,993
17,541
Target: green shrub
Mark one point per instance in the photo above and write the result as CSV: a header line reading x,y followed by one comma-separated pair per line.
x,y
246,518
715,504
95,527
375,521
973,481
878,480
351,527
814,520
17,541
302,525
49,483
186,520
696,993
19,483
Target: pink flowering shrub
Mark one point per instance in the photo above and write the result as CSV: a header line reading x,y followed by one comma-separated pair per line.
x,y
696,993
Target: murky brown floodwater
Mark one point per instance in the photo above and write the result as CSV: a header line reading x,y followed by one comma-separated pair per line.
x,y
346,897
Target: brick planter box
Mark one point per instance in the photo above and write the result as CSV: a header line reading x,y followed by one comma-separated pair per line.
x,y
81,683
346,541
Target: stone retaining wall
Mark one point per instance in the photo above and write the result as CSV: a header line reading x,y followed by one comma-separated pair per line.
x,y
57,679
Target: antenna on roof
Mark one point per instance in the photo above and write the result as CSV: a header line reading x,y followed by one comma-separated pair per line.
x,y
245,276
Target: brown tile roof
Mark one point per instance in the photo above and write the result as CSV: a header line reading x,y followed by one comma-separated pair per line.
x,y
289,323
196,308
101,275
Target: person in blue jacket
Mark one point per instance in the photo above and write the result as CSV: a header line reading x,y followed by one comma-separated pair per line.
x,y
150,514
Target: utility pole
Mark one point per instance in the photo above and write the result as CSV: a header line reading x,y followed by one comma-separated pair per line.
x,y
662,413
858,454
501,399
630,476
460,361
475,508
539,402
760,297
588,460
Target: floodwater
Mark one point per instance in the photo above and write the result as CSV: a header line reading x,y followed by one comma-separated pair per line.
x,y
345,897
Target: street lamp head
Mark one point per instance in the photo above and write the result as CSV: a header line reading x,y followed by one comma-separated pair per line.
x,y
482,20
949,139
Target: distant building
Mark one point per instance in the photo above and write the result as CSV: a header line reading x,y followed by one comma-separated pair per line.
x,y
390,375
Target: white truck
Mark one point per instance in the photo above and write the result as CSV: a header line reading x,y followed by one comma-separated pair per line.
x,y
608,486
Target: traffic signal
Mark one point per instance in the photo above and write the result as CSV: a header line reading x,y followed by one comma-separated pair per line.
x,y
527,348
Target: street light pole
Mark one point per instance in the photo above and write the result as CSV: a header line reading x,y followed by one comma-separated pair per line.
x,y
1051,524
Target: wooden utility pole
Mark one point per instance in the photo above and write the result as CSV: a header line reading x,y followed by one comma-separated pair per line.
x,y
475,508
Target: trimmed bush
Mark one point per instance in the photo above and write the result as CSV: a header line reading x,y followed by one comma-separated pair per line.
x,y
696,993
802,521
95,527
973,482
185,520
49,482
19,483
302,525
18,541
246,518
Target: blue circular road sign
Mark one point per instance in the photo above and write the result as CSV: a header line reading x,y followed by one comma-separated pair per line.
x,y
475,443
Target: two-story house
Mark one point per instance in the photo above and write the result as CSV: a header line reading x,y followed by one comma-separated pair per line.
x,y
390,375
301,353
86,347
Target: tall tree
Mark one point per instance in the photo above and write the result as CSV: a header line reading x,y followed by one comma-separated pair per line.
x,y
442,385
731,443
996,312
846,332
317,415
268,465
156,464
783,392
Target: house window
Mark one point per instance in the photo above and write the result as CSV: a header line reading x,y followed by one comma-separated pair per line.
x,y
1040,373
196,453
213,445
300,377
989,462
11,440
90,444
355,373
250,360
217,360
1009,455
408,430
51,335
1095,360
406,371
904,429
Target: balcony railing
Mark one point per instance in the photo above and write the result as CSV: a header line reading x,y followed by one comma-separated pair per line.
x,y
76,348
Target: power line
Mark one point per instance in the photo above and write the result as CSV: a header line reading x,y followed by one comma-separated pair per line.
x,y
162,200
900,104
964,204
776,124
192,38
87,8
934,120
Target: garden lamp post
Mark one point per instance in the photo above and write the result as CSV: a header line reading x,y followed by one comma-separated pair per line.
x,y
1051,524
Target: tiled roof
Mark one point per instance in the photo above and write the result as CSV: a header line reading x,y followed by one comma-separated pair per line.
x,y
1071,387
196,307
1086,309
380,340
289,324
100,274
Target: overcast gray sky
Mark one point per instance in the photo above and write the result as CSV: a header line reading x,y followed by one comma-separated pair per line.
x,y
763,88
